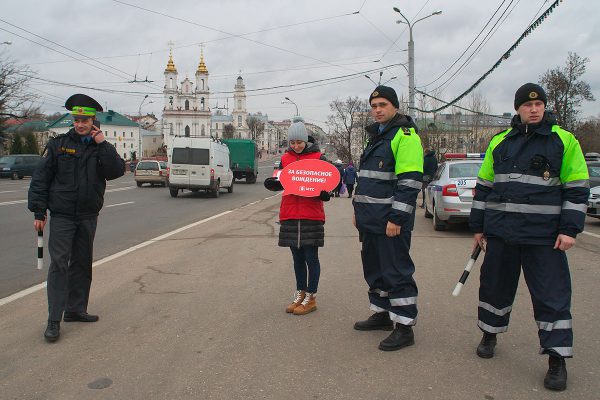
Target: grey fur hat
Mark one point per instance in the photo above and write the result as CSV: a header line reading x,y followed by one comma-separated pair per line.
x,y
297,130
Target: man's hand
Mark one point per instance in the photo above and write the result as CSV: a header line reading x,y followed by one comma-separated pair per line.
x,y
564,242
97,134
479,240
39,225
392,229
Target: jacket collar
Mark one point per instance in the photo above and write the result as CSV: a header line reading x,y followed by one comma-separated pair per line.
x,y
396,122
542,128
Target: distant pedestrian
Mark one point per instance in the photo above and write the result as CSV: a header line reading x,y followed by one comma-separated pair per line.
x,y
530,204
430,165
389,180
302,222
350,178
339,165
70,182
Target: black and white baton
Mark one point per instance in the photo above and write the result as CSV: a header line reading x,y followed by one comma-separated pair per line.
x,y
40,257
465,274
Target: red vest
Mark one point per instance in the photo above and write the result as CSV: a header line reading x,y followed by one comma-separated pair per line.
x,y
298,207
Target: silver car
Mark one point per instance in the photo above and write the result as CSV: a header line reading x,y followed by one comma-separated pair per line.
x,y
594,202
449,196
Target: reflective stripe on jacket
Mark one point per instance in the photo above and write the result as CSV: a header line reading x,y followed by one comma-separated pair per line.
x,y
389,178
531,187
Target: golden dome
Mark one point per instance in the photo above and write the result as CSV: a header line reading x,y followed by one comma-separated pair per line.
x,y
170,64
202,67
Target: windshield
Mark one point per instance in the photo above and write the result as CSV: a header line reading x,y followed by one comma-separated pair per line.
x,y
464,170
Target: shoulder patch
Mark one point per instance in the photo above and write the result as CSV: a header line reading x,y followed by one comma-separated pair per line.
x,y
406,131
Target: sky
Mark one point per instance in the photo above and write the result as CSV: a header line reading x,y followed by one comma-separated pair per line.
x,y
311,52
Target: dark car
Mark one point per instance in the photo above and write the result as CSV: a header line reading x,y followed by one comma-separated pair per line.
x,y
16,166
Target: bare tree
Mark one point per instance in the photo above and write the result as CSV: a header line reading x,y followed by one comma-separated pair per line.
x,y
588,134
347,127
255,126
476,139
565,91
228,131
16,101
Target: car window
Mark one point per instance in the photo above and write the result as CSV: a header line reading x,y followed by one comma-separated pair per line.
x,y
464,170
200,156
163,165
148,165
593,170
438,173
191,156
181,156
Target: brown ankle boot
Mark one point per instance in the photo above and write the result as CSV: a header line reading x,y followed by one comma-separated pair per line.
x,y
298,297
309,304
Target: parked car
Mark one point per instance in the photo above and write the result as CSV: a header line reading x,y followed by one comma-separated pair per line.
x,y
594,202
151,171
594,172
449,196
16,166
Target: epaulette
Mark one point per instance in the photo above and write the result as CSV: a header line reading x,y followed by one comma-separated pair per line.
x,y
60,135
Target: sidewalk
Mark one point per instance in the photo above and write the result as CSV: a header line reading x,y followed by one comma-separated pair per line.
x,y
200,315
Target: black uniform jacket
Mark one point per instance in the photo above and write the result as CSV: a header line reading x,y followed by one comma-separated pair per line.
x,y
71,179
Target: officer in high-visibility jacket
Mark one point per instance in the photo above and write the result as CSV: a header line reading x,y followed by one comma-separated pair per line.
x,y
530,203
389,180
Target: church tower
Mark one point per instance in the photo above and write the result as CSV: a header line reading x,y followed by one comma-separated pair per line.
x,y
239,113
170,93
202,96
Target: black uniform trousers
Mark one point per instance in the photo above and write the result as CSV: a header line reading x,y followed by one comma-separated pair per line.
x,y
388,270
546,273
70,274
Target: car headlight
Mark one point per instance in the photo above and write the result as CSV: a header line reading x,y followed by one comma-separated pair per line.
x,y
6,169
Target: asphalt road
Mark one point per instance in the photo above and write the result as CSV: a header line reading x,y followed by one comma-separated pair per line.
x,y
130,216
200,315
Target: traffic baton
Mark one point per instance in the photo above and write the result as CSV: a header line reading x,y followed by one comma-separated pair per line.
x,y
465,274
40,257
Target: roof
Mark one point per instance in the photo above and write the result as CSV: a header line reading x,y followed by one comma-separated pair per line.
x,y
105,118
146,132
221,118
34,126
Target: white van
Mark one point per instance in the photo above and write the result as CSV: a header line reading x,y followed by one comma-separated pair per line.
x,y
199,163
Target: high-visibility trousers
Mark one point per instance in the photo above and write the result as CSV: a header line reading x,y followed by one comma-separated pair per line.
x,y
546,273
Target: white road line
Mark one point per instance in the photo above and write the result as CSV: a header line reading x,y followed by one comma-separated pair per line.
x,y
591,234
9,191
33,289
8,203
119,204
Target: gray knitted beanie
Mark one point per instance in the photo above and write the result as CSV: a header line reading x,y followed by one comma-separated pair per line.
x,y
297,130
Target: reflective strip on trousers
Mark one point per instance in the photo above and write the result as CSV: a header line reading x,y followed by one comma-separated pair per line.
x,y
491,329
479,205
396,205
574,184
385,176
402,320
550,326
361,198
404,301
410,183
524,208
375,308
529,179
567,205
485,182
381,293
563,351
498,311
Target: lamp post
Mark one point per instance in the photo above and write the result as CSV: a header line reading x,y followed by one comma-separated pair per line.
x,y
411,58
291,102
139,155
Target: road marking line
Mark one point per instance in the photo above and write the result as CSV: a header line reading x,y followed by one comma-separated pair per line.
x,y
119,204
120,189
591,234
8,203
33,289
9,191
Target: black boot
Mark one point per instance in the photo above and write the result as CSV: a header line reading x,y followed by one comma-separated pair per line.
x,y
486,346
377,322
401,336
52,332
556,377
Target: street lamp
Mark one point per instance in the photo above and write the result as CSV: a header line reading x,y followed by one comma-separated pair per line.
x,y
411,58
140,132
290,101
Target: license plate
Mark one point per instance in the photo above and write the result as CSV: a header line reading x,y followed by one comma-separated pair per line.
x,y
179,171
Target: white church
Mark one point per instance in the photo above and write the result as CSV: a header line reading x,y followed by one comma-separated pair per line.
x,y
187,109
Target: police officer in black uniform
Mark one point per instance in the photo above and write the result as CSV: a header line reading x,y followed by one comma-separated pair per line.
x,y
70,182
529,205
389,181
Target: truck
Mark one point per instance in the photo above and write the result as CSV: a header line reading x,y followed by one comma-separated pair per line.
x,y
243,155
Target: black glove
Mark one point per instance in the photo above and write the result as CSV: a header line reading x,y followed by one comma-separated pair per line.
x,y
273,184
324,196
